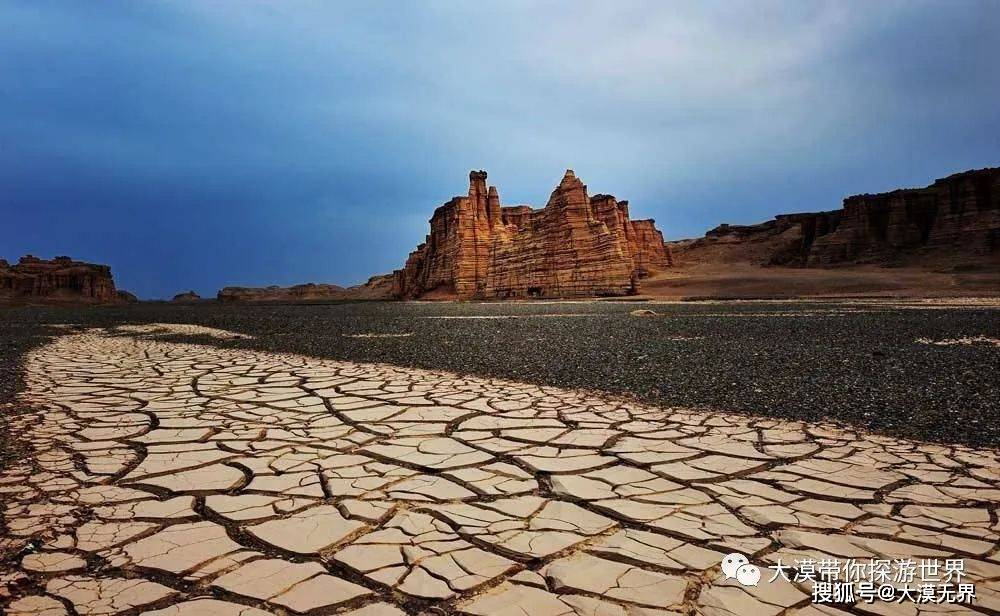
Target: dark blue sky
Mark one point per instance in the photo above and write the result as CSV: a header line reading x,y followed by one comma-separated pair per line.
x,y
203,144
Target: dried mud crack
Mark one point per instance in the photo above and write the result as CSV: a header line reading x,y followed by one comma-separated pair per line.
x,y
177,479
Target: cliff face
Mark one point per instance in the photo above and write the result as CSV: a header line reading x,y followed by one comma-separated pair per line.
x,y
61,279
955,218
575,246
649,250
958,215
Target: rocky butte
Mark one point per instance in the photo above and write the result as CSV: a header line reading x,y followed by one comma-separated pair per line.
x,y
61,279
576,245
186,297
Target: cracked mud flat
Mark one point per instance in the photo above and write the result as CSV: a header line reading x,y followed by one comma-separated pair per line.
x,y
180,480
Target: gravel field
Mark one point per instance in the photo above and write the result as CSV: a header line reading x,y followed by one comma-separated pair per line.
x,y
868,365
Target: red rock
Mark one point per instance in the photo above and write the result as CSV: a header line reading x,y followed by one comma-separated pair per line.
x,y
188,296
649,250
61,279
377,287
575,246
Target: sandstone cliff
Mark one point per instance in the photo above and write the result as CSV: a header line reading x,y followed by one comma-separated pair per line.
x,y
954,220
575,246
61,279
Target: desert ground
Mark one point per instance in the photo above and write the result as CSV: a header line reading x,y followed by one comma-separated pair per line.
x,y
492,458
746,280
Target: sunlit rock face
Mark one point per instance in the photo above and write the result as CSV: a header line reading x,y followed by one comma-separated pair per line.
x,y
575,246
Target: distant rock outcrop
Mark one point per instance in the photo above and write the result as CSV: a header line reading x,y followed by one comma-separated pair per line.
x,y
127,298
955,218
61,279
575,246
187,296
274,293
377,287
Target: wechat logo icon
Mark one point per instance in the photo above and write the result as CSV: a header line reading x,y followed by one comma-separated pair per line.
x,y
737,566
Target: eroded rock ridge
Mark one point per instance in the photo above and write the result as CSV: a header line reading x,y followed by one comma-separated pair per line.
x,y
377,287
955,218
957,214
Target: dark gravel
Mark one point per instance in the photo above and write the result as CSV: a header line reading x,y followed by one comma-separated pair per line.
x,y
857,365
17,337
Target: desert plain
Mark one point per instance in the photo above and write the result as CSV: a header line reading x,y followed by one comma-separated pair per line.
x,y
579,457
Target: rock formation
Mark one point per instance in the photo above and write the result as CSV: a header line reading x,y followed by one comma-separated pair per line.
x,y
377,287
959,214
274,293
61,279
955,218
575,246
187,296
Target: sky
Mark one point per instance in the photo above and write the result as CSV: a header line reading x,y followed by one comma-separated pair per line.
x,y
199,144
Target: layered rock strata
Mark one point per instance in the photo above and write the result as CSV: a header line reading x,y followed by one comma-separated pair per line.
x,y
959,214
61,279
955,218
575,246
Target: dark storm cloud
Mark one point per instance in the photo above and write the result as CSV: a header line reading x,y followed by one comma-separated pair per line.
x,y
195,144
